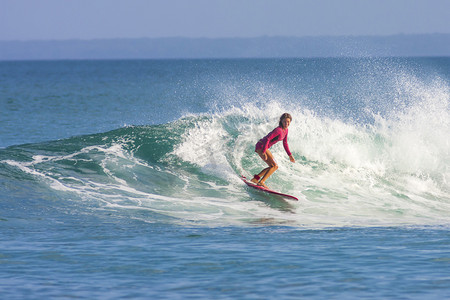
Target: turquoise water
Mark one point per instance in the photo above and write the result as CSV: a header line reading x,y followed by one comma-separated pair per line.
x,y
119,179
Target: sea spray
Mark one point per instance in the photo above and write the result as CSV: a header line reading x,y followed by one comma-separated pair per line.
x,y
370,138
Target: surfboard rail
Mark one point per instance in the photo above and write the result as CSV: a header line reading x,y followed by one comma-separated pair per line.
x,y
267,190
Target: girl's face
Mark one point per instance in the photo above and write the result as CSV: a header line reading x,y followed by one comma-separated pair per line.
x,y
286,122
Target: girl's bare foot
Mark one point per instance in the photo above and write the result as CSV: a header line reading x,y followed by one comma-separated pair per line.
x,y
263,184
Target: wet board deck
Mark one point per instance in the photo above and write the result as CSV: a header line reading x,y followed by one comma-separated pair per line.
x,y
263,189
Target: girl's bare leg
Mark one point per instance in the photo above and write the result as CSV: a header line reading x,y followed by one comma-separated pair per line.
x,y
267,172
259,175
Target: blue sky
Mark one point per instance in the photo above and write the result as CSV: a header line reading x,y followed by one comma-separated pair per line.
x,y
93,19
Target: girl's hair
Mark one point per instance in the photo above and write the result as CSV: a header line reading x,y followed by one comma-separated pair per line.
x,y
284,116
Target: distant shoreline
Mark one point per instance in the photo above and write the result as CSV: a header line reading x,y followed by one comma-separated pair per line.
x,y
412,45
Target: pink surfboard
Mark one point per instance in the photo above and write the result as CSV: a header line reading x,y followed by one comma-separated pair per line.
x,y
263,189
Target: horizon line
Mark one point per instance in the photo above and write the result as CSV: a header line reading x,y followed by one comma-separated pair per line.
x,y
228,38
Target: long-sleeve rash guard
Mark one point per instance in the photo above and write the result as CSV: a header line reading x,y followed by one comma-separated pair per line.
x,y
272,138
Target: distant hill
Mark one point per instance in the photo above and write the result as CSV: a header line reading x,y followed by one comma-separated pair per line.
x,y
259,47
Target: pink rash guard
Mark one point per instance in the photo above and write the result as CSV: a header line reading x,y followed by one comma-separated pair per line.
x,y
275,136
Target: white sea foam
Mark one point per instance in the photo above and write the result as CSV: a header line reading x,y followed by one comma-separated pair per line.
x,y
393,171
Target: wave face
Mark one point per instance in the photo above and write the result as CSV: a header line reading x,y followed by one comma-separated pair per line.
x,y
372,156
395,171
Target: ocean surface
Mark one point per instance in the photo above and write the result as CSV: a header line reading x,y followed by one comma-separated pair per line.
x,y
120,179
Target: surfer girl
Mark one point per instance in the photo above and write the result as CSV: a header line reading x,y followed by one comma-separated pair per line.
x,y
263,145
